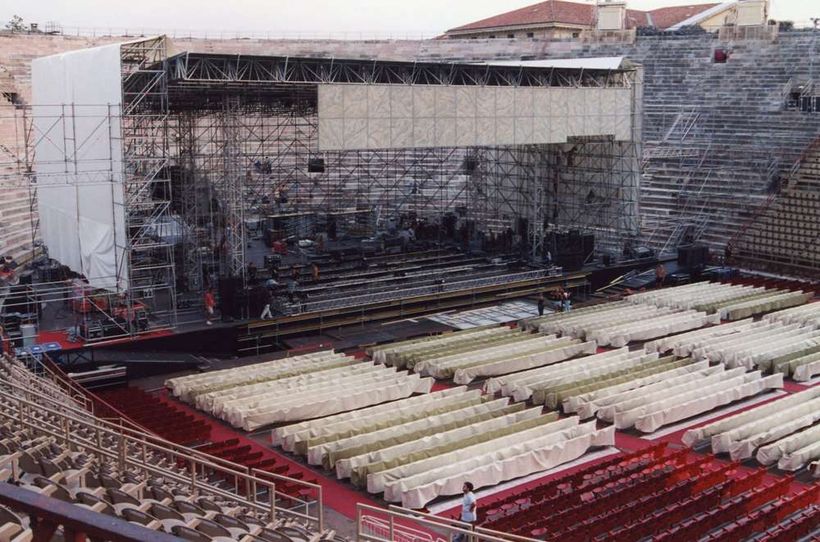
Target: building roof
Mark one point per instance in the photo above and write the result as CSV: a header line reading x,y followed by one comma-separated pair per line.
x,y
663,18
574,13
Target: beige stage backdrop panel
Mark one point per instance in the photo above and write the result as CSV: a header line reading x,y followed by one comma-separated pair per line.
x,y
356,117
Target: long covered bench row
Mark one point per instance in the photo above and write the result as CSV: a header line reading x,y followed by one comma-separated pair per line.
x,y
425,447
782,432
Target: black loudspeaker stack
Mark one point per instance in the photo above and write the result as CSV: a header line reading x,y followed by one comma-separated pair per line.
x,y
228,296
571,248
693,256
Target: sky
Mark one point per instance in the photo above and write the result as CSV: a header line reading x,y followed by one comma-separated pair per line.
x,y
306,18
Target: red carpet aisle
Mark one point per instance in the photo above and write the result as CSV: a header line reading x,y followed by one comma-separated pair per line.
x,y
335,495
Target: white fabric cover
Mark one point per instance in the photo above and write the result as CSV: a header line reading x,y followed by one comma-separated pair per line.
x,y
508,464
185,386
682,379
466,375
529,344
288,435
317,453
666,344
758,306
792,452
328,400
804,314
489,463
587,404
697,434
76,110
743,441
520,385
660,326
803,373
345,466
667,412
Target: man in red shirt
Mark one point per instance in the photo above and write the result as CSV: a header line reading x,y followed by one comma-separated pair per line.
x,y
210,305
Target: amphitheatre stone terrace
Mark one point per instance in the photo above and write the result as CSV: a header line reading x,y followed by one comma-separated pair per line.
x,y
717,136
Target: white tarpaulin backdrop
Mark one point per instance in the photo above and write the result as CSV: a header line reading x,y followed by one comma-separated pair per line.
x,y
78,161
403,116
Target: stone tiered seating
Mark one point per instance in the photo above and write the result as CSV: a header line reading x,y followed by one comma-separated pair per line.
x,y
786,235
52,446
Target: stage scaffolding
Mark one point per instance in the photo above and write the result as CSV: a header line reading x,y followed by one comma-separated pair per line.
x,y
211,142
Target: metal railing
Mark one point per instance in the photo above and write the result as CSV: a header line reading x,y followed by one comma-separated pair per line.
x,y
47,514
366,299
397,524
73,427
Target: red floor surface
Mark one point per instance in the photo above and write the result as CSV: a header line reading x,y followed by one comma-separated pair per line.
x,y
61,336
335,495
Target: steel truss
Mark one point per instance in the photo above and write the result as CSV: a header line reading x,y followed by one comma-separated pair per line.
x,y
146,270
210,141
192,68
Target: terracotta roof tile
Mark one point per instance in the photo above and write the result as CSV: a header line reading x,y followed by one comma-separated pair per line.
x,y
550,11
574,13
665,17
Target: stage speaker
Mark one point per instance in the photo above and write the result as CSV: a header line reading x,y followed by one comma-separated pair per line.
x,y
316,165
693,256
570,261
26,277
228,294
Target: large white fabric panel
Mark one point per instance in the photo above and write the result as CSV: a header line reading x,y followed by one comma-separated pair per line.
x,y
510,463
438,116
520,458
587,404
76,102
792,452
581,369
379,481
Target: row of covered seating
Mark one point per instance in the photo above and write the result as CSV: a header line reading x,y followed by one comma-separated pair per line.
x,y
770,345
407,353
51,445
617,324
425,447
658,495
648,403
297,389
550,385
527,353
725,301
188,388
783,432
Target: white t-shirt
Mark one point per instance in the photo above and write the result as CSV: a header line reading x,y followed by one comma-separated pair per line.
x,y
467,514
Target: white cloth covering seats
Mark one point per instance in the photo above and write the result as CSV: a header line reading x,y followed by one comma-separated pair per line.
x,y
650,407
715,431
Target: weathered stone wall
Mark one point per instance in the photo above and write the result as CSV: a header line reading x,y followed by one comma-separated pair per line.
x,y
715,135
